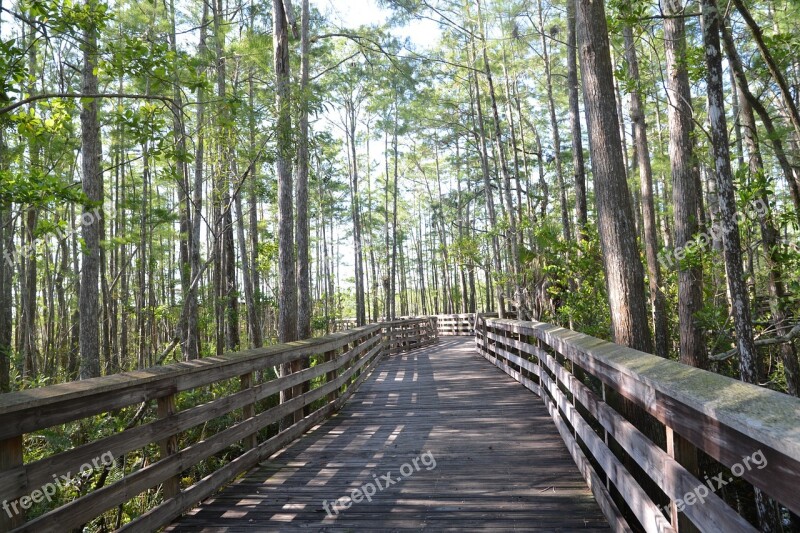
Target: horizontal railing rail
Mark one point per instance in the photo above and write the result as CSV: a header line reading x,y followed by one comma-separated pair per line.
x,y
459,323
750,430
408,334
244,413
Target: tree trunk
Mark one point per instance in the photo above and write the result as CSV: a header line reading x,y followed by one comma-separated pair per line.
x,y
192,324
303,260
748,357
92,184
684,191
623,268
287,291
770,236
480,139
6,276
551,105
578,166
393,280
511,239
185,243
637,114
355,212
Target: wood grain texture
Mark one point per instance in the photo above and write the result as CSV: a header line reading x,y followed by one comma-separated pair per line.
x,y
726,418
500,462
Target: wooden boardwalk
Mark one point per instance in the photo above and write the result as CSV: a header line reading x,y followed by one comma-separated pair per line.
x,y
500,464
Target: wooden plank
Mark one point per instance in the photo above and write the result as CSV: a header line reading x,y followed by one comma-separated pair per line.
x,y
86,507
173,508
11,458
500,463
726,418
33,409
28,477
672,478
248,410
646,511
169,445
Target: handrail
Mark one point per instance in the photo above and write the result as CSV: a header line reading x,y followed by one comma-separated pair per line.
x,y
729,420
344,360
459,323
408,334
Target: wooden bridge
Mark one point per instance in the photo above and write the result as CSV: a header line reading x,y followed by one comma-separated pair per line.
x,y
457,422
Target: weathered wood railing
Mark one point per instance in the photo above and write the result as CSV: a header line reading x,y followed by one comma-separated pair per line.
x,y
409,333
457,324
243,437
734,423
460,323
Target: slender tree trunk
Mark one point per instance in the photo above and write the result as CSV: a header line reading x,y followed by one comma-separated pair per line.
x,y
185,243
393,284
287,291
637,114
92,183
748,357
511,239
685,194
303,260
6,276
355,211
6,273
193,327
770,236
28,290
481,142
551,104
226,152
578,166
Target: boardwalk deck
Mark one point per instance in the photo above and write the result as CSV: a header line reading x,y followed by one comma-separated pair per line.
x,y
500,464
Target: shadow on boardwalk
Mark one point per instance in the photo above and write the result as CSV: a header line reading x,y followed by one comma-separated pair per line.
x,y
500,463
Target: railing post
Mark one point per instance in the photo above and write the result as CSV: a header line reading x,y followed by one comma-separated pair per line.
x,y
331,376
11,457
168,446
485,336
685,453
249,410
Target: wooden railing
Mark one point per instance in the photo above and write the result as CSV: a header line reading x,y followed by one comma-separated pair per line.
x,y
409,333
753,431
459,324
238,398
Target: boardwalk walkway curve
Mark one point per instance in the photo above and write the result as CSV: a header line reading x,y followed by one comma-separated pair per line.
x,y
522,420
500,463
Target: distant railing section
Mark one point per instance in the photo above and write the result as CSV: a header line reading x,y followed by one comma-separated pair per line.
x,y
446,324
458,324
408,334
343,324
242,439
750,430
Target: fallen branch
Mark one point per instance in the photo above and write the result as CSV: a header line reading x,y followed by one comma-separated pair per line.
x,y
780,339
